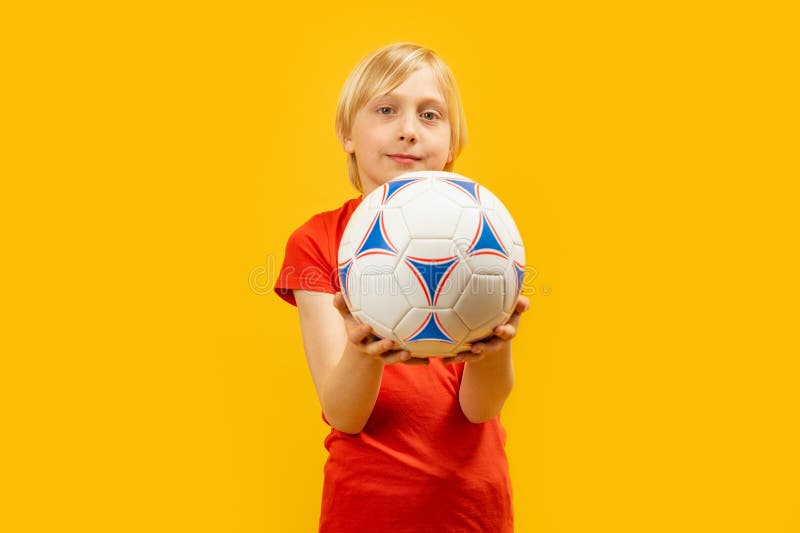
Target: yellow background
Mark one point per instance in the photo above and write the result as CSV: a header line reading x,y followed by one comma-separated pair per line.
x,y
156,157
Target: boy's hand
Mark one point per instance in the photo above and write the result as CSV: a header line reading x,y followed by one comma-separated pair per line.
x,y
499,340
361,339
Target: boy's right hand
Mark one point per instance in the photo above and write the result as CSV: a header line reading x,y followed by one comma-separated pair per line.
x,y
361,340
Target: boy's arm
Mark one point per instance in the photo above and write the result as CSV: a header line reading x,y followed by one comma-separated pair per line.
x,y
345,360
487,382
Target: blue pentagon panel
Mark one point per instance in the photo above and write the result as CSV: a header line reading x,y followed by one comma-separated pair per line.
x,y
454,193
446,320
391,188
431,273
486,240
469,187
452,284
520,271
501,231
512,285
376,240
430,330
394,227
344,270
351,287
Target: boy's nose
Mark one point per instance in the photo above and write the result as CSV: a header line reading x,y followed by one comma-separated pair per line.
x,y
407,132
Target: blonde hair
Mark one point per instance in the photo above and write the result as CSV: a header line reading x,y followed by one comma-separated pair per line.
x,y
381,72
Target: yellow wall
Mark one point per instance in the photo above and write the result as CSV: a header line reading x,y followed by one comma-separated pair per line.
x,y
158,157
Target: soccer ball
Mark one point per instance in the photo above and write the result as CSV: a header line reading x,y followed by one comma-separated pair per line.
x,y
433,261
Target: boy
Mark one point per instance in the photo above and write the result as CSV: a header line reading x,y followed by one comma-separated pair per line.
x,y
413,447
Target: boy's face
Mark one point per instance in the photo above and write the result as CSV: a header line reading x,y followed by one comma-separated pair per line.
x,y
404,130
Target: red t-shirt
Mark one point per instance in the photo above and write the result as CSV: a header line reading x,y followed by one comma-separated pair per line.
x,y
418,465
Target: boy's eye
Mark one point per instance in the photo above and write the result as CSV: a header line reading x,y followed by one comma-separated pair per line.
x,y
429,115
384,110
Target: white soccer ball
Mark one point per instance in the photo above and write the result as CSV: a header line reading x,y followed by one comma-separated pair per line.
x,y
433,261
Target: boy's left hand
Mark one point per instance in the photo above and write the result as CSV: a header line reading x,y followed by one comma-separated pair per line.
x,y
498,341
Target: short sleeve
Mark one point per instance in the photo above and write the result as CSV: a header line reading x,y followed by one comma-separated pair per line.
x,y
306,265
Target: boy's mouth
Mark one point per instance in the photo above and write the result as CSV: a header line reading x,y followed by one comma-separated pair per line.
x,y
404,158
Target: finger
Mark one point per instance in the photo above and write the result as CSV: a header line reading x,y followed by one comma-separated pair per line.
x,y
522,305
371,338
396,356
339,302
479,345
515,316
417,361
505,331
463,357
492,345
341,305
379,347
359,334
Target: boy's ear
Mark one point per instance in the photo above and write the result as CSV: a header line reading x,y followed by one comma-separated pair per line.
x,y
347,144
